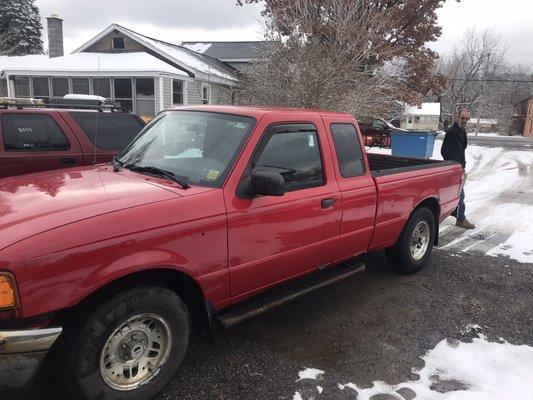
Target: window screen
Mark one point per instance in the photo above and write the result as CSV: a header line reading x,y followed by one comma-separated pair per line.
x,y
118,43
102,87
177,91
60,87
80,85
296,156
22,86
115,130
32,133
348,150
40,87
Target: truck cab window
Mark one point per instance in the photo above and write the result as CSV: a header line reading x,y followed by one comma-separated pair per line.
x,y
348,148
24,132
296,156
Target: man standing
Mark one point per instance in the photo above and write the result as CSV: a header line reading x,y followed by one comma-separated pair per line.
x,y
453,149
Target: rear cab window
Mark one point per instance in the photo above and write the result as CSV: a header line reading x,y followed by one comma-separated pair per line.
x,y
348,149
32,132
106,130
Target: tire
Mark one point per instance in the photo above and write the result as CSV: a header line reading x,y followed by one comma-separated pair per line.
x,y
156,343
402,256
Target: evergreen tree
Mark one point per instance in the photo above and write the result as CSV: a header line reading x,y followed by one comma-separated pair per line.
x,y
20,27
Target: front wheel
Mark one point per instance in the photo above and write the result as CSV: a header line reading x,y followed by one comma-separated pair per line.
x,y
128,348
413,248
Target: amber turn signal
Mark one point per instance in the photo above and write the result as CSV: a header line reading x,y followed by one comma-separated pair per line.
x,y
8,297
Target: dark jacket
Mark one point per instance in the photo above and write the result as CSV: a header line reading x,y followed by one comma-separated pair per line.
x,y
454,145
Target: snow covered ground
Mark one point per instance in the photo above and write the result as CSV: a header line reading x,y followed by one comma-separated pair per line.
x,y
499,201
453,370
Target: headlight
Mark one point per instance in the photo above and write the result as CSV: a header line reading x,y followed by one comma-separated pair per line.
x,y
8,291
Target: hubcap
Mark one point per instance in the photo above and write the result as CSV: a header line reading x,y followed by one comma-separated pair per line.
x,y
135,352
420,240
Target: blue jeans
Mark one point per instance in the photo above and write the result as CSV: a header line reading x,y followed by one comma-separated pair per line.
x,y
460,211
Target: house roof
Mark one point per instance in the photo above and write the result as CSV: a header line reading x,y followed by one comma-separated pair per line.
x,y
87,63
228,51
196,64
423,109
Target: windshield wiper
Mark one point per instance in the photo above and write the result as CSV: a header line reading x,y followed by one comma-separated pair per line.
x,y
117,164
158,171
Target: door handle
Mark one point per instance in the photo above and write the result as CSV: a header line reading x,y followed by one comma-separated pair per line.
x,y
67,161
327,203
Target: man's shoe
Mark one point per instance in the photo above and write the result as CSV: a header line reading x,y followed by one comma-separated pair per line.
x,y
466,224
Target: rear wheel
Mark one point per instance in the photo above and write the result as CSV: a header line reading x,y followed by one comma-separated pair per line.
x,y
128,348
413,248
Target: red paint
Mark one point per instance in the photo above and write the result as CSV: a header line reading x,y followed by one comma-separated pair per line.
x,y
82,151
69,232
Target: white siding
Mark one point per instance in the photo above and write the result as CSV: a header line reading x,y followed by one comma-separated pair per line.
x,y
220,94
156,94
167,92
194,92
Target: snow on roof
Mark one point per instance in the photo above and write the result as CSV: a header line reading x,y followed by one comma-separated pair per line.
x,y
423,109
198,47
197,61
88,62
483,121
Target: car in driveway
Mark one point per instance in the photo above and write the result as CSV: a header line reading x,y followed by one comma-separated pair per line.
x,y
210,216
45,137
376,131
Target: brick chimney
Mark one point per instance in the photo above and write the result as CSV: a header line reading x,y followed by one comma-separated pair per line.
x,y
55,36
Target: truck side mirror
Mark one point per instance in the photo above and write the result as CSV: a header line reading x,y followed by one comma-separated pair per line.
x,y
267,183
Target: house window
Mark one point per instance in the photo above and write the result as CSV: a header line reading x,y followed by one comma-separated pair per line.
x,y
41,88
80,85
59,87
177,91
417,120
102,87
118,43
145,96
409,120
124,93
22,86
206,93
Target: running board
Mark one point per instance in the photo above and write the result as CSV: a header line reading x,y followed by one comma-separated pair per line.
x,y
283,294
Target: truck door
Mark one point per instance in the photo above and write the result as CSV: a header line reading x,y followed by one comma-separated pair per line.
x,y
33,142
271,239
357,187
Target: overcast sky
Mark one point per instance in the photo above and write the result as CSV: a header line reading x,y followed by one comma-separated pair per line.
x,y
184,20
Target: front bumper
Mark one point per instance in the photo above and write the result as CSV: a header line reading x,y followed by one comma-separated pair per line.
x,y
21,354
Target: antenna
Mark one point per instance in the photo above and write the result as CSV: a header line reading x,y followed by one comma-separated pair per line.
x,y
97,112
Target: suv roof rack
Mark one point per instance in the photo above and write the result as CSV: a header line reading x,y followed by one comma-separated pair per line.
x,y
79,104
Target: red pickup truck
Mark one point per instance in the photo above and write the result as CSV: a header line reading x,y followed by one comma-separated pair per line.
x,y
41,139
213,214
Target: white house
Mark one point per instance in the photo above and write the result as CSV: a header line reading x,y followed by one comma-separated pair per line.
x,y
423,117
145,75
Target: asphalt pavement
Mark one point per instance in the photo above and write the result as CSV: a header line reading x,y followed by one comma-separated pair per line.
x,y
373,326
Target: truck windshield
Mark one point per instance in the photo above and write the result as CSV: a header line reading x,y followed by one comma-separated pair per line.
x,y
198,148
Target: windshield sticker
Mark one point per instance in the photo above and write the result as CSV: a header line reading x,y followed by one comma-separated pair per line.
x,y
212,175
311,141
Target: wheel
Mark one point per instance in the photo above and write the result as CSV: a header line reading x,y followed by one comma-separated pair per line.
x,y
128,348
413,248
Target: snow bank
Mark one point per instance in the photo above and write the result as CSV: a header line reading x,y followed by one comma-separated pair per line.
x,y
310,373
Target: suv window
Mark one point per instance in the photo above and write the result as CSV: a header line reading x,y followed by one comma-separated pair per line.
x,y
348,150
32,132
115,130
296,156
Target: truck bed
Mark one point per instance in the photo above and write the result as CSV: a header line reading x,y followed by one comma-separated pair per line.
x,y
383,164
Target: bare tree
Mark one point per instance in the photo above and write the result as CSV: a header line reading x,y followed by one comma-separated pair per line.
x,y
356,56
475,61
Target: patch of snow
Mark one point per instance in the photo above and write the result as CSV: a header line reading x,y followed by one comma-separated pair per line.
x,y
297,396
320,389
198,47
72,96
310,373
480,370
